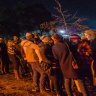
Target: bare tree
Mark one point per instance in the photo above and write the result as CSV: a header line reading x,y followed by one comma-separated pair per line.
x,y
48,26
68,20
61,18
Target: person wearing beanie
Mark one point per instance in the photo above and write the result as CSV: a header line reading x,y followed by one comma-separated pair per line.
x,y
74,38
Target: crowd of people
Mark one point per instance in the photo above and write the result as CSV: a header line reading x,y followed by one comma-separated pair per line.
x,y
53,62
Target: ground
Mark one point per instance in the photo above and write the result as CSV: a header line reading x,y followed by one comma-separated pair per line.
x,y
9,86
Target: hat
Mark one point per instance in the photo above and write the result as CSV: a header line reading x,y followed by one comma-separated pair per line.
x,y
74,37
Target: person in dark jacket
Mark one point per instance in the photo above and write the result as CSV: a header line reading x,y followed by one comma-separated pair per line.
x,y
85,60
91,37
62,53
18,48
93,47
54,74
4,57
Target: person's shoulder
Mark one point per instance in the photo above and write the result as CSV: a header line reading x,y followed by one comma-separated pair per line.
x,y
60,44
53,45
26,43
41,44
34,46
94,40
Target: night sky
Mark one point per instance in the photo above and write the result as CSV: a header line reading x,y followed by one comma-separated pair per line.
x,y
84,8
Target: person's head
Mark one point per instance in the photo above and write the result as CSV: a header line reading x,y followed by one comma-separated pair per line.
x,y
56,38
90,35
36,35
15,38
84,37
23,38
29,36
1,40
74,38
46,39
10,43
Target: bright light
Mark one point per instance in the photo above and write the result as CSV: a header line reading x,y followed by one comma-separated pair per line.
x,y
65,36
61,31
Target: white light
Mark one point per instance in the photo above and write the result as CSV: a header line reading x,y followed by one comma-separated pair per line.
x,y
62,31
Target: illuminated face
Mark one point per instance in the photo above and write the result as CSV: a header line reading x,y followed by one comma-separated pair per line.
x,y
10,44
90,36
1,40
15,38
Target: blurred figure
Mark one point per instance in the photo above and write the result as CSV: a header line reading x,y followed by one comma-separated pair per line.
x,y
83,37
36,38
67,63
91,36
27,57
34,58
17,47
16,39
16,42
4,57
13,56
73,44
84,49
54,73
30,36
36,35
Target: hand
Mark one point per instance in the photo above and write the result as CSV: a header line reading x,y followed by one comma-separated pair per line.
x,y
74,65
40,60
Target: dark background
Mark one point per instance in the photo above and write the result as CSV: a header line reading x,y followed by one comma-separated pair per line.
x,y
85,8
41,10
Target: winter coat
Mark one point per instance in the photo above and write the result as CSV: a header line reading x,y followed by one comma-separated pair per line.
x,y
63,55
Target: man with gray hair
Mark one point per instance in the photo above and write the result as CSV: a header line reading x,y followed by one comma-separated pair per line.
x,y
33,56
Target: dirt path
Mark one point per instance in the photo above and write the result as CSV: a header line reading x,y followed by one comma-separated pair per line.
x,y
11,87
